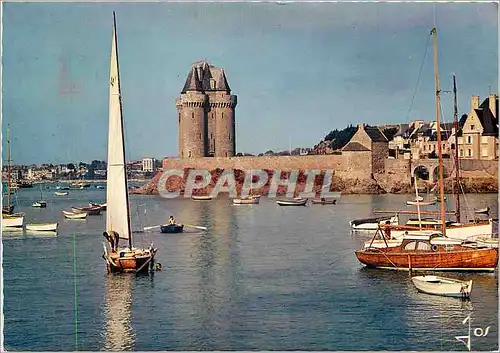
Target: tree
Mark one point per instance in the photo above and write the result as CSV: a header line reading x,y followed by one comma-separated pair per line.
x,y
70,166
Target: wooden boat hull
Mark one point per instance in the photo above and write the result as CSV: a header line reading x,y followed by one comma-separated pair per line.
x,y
172,228
103,206
441,260
126,261
12,221
42,227
372,223
92,211
421,203
298,202
447,287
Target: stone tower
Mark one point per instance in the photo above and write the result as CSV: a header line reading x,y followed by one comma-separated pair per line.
x,y
206,114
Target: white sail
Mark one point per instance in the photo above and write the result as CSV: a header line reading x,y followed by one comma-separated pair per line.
x,y
117,214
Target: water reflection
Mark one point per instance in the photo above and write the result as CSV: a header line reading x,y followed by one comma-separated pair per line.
x,y
118,331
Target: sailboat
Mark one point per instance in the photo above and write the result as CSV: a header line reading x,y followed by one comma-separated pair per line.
x,y
129,258
10,219
420,250
40,203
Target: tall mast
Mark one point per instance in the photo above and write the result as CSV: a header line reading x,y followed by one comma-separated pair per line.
x,y
8,167
457,162
438,122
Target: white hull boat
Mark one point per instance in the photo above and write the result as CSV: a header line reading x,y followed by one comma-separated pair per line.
x,y
12,221
42,227
453,231
443,286
75,215
421,203
59,193
372,223
201,198
297,201
485,210
247,201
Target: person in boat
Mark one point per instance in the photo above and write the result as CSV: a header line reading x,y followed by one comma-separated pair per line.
x,y
171,220
113,238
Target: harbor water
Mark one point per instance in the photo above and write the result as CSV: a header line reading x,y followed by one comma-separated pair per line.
x,y
263,277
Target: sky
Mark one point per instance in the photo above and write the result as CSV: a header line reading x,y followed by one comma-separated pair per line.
x,y
299,70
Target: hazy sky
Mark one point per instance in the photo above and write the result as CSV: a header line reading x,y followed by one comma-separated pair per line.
x,y
299,70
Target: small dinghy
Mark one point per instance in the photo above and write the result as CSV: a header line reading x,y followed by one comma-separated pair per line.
x,y
75,215
42,227
297,201
201,198
372,223
250,200
484,210
447,287
40,204
103,206
92,211
324,201
59,193
172,228
422,203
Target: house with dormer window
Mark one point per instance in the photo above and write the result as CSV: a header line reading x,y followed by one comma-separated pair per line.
x,y
478,133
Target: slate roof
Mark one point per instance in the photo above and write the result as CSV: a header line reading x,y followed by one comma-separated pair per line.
x,y
354,146
403,130
486,118
375,134
200,76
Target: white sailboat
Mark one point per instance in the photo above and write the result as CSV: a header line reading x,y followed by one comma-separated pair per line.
x,y
9,219
129,258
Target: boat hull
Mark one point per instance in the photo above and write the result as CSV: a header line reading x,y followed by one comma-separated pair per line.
x,y
247,201
301,202
12,221
457,260
463,232
40,204
446,287
324,202
201,198
42,227
374,223
126,261
91,211
75,215
61,193
172,228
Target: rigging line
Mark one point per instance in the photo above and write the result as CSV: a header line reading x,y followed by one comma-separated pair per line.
x,y
419,77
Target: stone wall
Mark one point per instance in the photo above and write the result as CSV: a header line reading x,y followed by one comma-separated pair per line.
x,y
348,165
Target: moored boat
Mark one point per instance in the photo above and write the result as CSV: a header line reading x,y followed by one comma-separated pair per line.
x,y
14,220
40,204
484,210
172,228
422,203
58,193
101,205
92,211
201,197
443,286
372,223
324,201
297,201
249,200
42,227
75,215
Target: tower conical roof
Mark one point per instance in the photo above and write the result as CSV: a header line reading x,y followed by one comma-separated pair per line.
x,y
222,84
192,82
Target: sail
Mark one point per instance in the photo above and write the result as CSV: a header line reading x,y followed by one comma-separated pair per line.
x,y
117,214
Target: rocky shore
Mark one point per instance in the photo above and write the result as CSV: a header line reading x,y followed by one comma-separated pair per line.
x,y
377,185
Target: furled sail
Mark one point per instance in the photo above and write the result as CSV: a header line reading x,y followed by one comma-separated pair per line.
x,y
117,214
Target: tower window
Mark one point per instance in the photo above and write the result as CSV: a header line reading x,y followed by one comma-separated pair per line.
x,y
212,83
211,136
200,136
470,152
189,154
192,115
222,115
469,139
229,136
179,118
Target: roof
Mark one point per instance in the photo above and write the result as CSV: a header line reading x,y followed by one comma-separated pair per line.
x,y
201,75
375,134
403,128
486,118
355,146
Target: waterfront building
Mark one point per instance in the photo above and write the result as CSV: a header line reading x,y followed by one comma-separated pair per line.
x,y
148,165
206,114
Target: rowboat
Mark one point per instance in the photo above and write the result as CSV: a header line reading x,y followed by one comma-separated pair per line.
x,y
42,227
447,287
324,201
40,204
14,220
297,201
172,228
62,187
101,205
75,215
372,223
484,210
422,203
201,198
250,200
92,211
58,193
